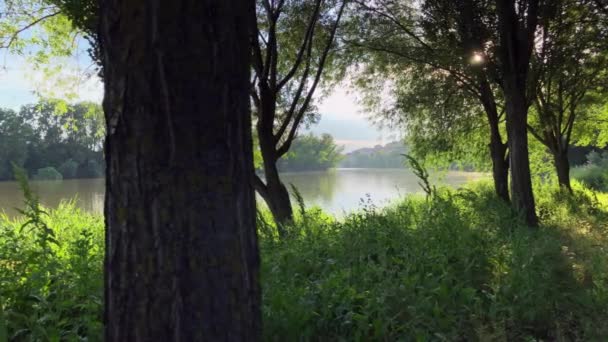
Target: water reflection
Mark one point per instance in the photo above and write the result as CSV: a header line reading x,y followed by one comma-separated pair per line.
x,y
88,193
336,191
342,190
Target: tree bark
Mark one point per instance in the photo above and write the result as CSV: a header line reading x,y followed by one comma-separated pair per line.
x,y
181,246
562,166
498,149
521,180
500,168
516,32
273,191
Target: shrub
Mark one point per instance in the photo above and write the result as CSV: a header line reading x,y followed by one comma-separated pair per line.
x,y
48,173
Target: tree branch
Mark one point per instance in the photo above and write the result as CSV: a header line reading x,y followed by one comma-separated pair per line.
x,y
16,34
321,65
308,37
396,22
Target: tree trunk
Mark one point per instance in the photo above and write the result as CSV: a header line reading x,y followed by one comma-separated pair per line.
x,y
562,166
500,168
516,31
521,180
274,192
498,149
181,247
279,202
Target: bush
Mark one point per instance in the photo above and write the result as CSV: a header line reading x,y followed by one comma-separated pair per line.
x,y
48,173
69,169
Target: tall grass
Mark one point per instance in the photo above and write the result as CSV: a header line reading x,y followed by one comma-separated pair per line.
x,y
51,274
456,266
461,267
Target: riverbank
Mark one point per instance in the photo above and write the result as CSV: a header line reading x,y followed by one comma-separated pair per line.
x,y
458,266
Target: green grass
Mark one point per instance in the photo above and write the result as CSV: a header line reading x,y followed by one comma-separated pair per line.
x,y
456,266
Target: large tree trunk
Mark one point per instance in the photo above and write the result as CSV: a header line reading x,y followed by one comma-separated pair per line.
x,y
521,180
516,31
181,247
562,166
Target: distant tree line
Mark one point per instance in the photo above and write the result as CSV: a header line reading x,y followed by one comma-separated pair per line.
x,y
388,156
391,156
52,140
311,153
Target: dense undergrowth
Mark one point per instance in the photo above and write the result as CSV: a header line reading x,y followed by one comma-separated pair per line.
x,y
455,266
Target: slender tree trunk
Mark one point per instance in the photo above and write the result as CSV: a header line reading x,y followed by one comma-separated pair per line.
x,y
273,191
181,247
562,166
500,168
498,149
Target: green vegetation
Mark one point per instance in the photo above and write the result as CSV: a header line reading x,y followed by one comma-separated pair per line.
x,y
52,140
509,85
50,273
594,174
309,152
388,156
48,173
456,266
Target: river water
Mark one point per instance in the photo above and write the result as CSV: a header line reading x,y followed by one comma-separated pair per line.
x,y
336,191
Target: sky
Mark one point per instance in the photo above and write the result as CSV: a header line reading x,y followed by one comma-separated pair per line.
x,y
341,115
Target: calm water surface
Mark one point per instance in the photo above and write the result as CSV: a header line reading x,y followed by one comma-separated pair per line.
x,y
336,191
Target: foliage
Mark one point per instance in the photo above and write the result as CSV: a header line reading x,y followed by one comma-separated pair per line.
x,y
454,267
35,28
49,35
68,168
50,273
14,133
571,65
52,135
420,54
309,152
388,156
460,272
423,175
595,173
48,173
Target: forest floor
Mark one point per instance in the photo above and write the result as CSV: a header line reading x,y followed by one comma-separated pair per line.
x,y
457,265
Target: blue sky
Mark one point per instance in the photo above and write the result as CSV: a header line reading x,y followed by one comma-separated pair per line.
x,y
341,116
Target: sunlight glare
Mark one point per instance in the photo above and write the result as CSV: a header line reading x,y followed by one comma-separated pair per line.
x,y
477,58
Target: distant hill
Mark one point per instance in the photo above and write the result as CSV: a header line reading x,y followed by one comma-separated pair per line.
x,y
387,156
